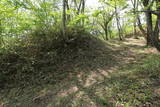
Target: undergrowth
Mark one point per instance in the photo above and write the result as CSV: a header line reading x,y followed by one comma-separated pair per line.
x,y
42,62
25,57
137,85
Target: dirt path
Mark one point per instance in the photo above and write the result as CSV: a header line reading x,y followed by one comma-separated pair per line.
x,y
82,90
88,88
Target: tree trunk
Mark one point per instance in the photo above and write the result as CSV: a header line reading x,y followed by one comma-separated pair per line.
x,y
106,34
156,36
83,9
68,17
135,5
148,14
79,7
150,34
64,18
83,5
141,27
118,24
157,28
1,37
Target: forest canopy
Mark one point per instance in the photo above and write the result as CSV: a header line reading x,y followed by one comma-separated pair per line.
x,y
109,19
79,53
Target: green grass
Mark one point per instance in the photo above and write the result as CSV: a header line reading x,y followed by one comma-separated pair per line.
x,y
136,84
133,86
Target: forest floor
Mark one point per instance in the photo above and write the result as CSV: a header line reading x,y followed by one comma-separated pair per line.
x,y
113,74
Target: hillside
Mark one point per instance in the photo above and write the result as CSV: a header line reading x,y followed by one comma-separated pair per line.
x,y
84,72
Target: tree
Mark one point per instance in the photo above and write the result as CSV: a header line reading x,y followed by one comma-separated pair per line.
x,y
157,27
118,22
64,18
105,18
138,20
148,14
135,7
152,32
117,6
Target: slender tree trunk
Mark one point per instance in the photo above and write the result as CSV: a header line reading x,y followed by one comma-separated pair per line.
x,y
118,24
135,5
119,29
1,38
110,31
75,5
141,27
83,5
106,34
135,28
83,9
64,18
135,20
0,27
79,7
137,17
68,17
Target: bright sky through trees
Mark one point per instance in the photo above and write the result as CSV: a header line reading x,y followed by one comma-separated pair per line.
x,y
92,3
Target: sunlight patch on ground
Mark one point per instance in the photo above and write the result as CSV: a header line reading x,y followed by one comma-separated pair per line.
x,y
157,91
2,104
129,59
43,97
81,99
98,87
103,72
140,42
115,45
94,77
65,93
148,51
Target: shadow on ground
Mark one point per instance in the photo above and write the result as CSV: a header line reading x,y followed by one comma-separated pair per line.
x,y
77,74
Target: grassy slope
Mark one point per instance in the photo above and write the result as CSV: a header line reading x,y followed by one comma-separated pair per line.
x,y
86,72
